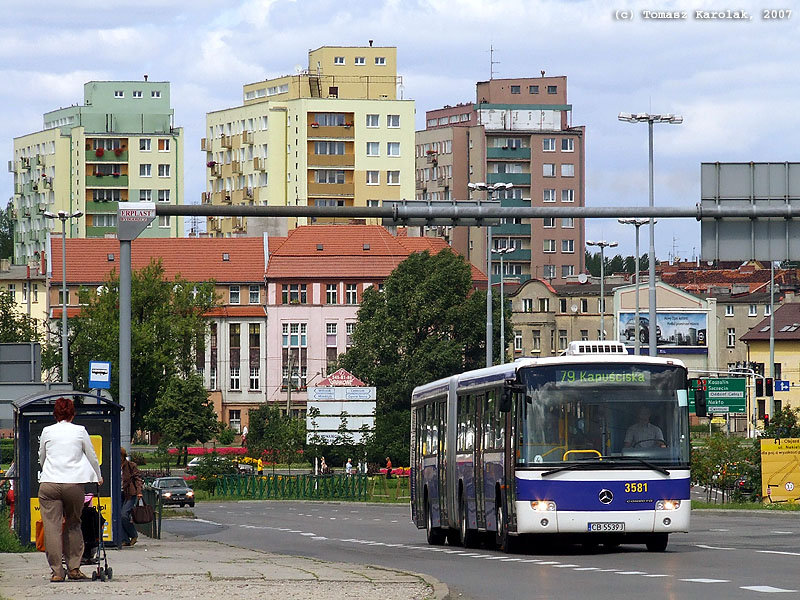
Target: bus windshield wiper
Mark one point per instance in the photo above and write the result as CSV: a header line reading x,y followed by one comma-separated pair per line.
x,y
593,464
641,461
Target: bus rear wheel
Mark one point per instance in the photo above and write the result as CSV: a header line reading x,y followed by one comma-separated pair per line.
x,y
657,542
435,535
468,537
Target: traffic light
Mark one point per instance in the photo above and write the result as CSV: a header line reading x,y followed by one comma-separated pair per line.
x,y
768,387
766,421
759,387
700,408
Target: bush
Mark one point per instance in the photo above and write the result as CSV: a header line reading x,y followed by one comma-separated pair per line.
x,y
209,468
8,538
226,435
6,451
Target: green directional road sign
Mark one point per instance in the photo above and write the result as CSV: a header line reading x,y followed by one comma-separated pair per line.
x,y
723,394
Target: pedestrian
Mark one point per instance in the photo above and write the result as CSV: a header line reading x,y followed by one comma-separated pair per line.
x,y
323,466
244,436
132,482
388,468
68,461
348,468
260,466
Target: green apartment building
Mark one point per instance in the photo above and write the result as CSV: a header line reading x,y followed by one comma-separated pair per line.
x,y
121,145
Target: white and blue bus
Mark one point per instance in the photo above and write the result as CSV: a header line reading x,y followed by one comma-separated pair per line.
x,y
592,447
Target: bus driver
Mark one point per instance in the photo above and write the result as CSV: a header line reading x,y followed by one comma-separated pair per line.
x,y
643,434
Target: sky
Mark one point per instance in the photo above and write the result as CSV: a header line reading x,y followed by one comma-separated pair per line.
x,y
735,82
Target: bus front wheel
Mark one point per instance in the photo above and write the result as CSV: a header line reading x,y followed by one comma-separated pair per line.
x,y
435,535
657,542
502,539
468,537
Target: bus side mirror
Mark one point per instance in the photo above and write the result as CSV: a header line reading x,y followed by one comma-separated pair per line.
x,y
700,408
505,401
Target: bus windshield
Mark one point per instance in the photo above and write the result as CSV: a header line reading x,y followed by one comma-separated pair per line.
x,y
585,411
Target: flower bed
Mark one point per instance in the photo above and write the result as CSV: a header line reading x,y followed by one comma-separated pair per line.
x,y
199,450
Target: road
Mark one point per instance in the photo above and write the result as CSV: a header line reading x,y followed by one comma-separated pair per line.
x,y
730,555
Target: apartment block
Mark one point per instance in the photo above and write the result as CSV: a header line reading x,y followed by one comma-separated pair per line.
x,y
518,131
120,145
333,134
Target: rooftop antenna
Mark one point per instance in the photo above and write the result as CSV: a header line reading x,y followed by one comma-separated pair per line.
x,y
492,62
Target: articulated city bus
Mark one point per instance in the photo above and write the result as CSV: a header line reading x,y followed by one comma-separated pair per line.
x,y
592,447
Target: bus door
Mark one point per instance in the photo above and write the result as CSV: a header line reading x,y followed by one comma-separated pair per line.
x,y
510,457
480,506
441,460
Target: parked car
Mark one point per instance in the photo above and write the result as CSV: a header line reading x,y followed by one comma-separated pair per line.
x,y
174,490
193,463
644,330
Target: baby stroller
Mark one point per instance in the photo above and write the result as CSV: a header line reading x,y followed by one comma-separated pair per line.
x,y
93,547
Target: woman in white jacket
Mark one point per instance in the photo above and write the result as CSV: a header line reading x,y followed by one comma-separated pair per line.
x,y
68,461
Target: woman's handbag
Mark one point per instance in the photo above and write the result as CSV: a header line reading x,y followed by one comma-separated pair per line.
x,y
142,512
40,535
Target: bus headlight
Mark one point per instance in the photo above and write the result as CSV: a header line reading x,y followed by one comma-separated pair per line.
x,y
668,504
543,505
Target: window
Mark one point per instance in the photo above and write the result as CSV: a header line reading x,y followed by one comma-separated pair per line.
x,y
380,60
349,329
536,339
527,305
373,120
163,195
562,305
373,148
729,310
552,89
255,294
544,304
236,383
568,145
293,293
61,297
163,145
767,310
533,89
549,271
568,170
549,222
330,334
255,379
515,89
144,144
330,176
393,121
145,170
164,221
155,94
548,170
12,291
338,60
104,220
294,335
235,420
548,246
393,148
212,378
567,246
562,339
164,170
351,293
393,177
359,60
331,293
119,94
731,337
549,145
517,341
329,148
548,196
329,119
567,271
752,311
233,294
137,93
568,195
373,178
567,223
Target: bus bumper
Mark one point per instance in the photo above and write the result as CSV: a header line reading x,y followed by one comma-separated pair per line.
x,y
633,521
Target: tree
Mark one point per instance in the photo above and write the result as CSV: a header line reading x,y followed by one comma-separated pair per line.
x,y
428,322
15,326
6,233
615,264
168,328
183,414
279,435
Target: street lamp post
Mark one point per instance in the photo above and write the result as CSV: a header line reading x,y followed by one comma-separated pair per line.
x,y
602,244
490,189
64,216
502,252
636,223
650,119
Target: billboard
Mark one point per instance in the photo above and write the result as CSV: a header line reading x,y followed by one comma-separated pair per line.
x,y
780,469
680,329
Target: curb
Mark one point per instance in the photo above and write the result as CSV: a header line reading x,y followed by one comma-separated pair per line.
x,y
746,511
440,589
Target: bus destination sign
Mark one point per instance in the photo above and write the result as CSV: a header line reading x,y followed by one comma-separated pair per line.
x,y
602,376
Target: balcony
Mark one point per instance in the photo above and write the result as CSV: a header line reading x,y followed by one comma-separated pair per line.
x,y
226,141
331,160
236,167
505,153
216,170
205,144
205,198
93,207
100,232
330,189
515,178
247,137
108,181
259,164
107,156
511,229
330,131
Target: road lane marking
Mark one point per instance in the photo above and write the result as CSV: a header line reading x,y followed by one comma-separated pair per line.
x,y
631,573
587,569
713,547
779,552
511,560
549,562
782,532
703,580
564,566
308,534
767,589
209,522
723,530
657,575
319,537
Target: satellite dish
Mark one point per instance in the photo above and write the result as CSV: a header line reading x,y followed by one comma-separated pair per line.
x,y
582,278
298,69
574,308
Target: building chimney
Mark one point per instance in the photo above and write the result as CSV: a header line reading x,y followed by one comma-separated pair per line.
x,y
370,43
145,77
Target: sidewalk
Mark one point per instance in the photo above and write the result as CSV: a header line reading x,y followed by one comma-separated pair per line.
x,y
181,569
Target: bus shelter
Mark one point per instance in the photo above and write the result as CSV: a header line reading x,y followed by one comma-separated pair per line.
x,y
101,417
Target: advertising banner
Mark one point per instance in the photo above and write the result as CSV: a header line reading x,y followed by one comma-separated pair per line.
x,y
780,469
681,329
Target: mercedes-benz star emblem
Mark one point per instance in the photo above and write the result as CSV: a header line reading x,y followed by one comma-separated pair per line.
x,y
605,496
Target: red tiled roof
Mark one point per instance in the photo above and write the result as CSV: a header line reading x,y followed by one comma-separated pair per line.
x,y
72,311
254,310
195,259
787,318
